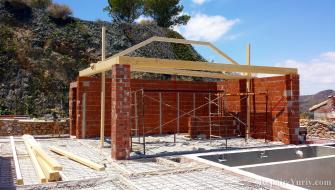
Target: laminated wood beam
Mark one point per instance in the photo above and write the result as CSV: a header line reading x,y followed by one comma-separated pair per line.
x,y
103,90
201,66
106,65
190,42
19,179
54,165
176,41
50,174
248,88
121,58
187,73
77,158
37,167
157,64
99,67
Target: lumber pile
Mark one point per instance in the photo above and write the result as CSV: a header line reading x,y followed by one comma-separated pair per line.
x,y
47,169
319,129
77,158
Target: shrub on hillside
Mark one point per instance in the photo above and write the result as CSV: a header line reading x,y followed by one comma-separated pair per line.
x,y
29,3
59,11
42,4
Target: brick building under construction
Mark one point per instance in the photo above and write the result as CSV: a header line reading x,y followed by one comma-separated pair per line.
x,y
241,105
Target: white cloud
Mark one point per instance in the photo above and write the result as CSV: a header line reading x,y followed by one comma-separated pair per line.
x,y
143,18
316,74
208,28
199,2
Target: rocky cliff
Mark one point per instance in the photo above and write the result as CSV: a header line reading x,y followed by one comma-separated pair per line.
x,y
41,55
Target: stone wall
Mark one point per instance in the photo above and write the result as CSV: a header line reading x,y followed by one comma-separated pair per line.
x,y
12,127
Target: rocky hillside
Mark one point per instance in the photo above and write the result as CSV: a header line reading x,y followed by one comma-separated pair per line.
x,y
40,55
308,101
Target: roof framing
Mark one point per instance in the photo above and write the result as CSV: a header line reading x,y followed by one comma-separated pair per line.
x,y
179,67
166,66
176,41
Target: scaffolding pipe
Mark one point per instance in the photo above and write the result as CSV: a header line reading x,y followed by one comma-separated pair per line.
x,y
266,116
160,113
168,105
193,104
143,131
178,113
187,113
210,118
218,97
136,115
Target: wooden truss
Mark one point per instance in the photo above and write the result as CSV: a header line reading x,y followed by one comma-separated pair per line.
x,y
179,67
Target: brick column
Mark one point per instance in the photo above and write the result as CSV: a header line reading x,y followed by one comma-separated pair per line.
x,y
120,112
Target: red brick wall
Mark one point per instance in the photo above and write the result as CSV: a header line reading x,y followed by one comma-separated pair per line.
x,y
169,104
283,108
223,126
18,127
233,104
91,86
283,105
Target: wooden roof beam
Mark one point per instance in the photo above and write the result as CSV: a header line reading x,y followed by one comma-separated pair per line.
x,y
202,66
101,66
181,72
176,41
141,62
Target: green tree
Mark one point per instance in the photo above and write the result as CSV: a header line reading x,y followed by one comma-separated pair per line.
x,y
125,10
166,13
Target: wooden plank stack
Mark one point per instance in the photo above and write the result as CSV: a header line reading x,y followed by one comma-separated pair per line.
x,y
47,168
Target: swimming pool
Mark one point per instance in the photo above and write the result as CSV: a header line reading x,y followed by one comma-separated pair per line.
x,y
291,167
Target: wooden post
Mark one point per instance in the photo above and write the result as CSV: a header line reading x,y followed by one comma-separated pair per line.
x,y
103,89
248,98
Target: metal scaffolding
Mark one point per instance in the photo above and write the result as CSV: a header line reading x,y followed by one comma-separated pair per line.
x,y
216,101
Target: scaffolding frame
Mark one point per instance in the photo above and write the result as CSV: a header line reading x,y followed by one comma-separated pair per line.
x,y
221,96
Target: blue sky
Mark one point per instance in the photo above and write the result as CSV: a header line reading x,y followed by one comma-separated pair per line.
x,y
291,33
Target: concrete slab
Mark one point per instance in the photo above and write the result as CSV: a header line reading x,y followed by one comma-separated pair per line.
x,y
148,173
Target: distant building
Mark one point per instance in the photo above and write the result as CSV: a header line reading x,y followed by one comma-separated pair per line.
x,y
325,109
